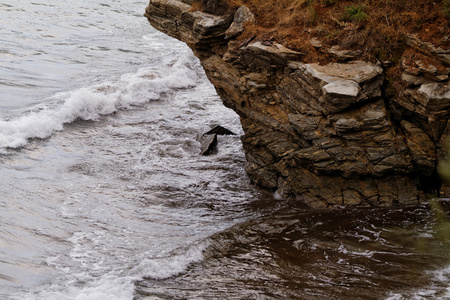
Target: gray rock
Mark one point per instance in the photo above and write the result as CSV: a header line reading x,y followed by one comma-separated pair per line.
x,y
434,96
340,94
342,88
411,79
208,144
441,77
274,49
207,26
358,71
343,55
316,43
243,15
219,130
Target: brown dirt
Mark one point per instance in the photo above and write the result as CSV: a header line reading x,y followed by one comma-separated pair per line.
x,y
410,58
379,31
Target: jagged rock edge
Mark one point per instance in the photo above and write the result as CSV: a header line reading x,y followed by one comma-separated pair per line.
x,y
250,77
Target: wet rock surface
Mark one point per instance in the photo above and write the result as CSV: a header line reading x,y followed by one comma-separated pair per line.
x,y
208,140
208,144
219,130
325,135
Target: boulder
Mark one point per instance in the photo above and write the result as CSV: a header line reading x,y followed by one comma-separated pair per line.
x,y
242,16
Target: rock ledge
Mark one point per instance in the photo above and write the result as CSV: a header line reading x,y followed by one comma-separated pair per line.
x,y
323,134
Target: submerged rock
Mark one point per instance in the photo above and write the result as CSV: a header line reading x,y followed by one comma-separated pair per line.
x,y
208,144
208,140
219,130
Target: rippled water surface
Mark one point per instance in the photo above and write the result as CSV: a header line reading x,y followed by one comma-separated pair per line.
x,y
50,46
298,254
104,195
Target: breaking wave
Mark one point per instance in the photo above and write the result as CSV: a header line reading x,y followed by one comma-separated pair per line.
x,y
90,103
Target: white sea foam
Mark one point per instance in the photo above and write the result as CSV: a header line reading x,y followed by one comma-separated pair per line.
x,y
173,263
112,286
90,103
106,287
439,289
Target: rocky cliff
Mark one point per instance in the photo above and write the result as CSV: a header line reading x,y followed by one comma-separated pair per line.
x,y
323,134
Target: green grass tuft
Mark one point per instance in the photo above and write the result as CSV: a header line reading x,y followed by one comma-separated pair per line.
x,y
356,13
446,5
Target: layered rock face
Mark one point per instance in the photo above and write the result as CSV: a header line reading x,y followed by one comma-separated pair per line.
x,y
323,134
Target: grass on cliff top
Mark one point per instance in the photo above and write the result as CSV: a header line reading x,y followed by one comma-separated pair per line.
x,y
377,27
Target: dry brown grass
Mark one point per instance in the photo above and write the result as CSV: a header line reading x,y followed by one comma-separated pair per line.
x,y
377,27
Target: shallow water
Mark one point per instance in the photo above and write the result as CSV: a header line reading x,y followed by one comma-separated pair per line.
x,y
296,254
104,195
102,204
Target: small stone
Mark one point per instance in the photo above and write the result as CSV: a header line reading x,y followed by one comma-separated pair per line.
x,y
340,54
207,26
276,49
436,91
252,84
412,79
315,42
346,88
242,16
358,71
442,77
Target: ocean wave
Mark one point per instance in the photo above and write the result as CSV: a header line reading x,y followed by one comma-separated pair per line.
x,y
105,287
174,263
93,102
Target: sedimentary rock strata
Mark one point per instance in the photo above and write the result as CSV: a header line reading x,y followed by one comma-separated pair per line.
x,y
323,134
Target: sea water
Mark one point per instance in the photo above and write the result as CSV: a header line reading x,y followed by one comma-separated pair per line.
x,y
103,193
